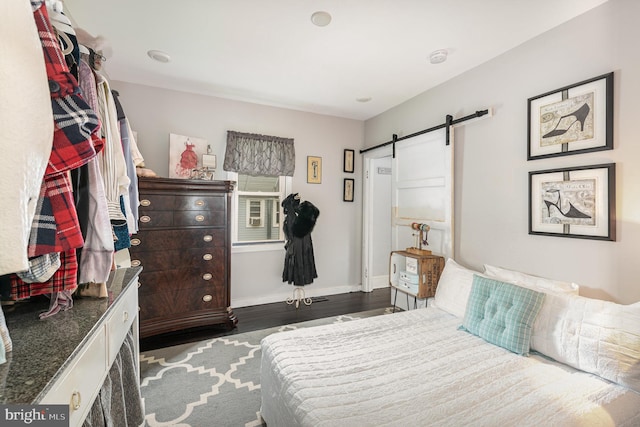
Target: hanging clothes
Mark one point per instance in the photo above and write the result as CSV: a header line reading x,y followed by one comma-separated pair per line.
x,y
64,279
26,130
55,227
299,262
128,142
112,161
97,253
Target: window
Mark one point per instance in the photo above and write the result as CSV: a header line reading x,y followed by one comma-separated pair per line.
x,y
263,167
257,208
255,212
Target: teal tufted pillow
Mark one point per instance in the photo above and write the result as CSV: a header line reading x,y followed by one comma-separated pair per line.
x,y
502,313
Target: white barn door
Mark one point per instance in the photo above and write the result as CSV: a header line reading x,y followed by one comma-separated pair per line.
x,y
422,191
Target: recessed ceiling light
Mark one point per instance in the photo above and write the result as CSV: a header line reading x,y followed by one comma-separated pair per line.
x,y
438,56
158,55
321,19
364,99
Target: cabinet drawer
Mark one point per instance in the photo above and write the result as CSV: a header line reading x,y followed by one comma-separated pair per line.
x,y
176,304
119,323
81,381
153,219
197,202
154,202
186,218
162,240
182,280
198,259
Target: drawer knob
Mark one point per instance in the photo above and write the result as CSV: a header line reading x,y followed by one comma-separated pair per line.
x,y
145,218
135,242
207,276
135,262
199,218
207,257
207,238
145,202
199,202
207,298
76,400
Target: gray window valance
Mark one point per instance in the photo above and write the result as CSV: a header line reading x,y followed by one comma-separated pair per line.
x,y
264,155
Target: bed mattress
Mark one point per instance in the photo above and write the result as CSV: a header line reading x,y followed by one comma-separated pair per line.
x,y
416,368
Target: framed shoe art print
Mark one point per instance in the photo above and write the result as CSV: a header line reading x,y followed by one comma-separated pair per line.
x,y
573,119
574,202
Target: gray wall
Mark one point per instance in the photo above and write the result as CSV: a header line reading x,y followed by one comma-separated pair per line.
x,y
256,277
491,169
490,157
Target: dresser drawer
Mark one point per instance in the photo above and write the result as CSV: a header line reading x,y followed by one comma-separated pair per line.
x,y
153,219
173,302
189,218
198,202
162,240
199,259
153,202
77,386
183,280
121,319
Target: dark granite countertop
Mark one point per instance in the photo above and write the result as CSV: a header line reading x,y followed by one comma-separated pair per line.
x,y
43,348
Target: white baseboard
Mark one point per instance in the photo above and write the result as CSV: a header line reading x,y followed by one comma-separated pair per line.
x,y
379,282
282,296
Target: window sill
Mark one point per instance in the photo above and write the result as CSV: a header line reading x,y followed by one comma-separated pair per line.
x,y
238,248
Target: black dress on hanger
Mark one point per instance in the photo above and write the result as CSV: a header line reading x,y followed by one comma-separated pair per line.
x,y
299,263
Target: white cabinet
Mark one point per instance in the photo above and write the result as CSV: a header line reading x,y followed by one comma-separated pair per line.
x,y
80,382
81,378
122,316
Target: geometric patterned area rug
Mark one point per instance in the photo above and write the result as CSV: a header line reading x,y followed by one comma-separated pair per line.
x,y
214,382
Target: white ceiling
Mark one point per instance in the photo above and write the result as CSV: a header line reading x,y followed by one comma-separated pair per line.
x,y
269,52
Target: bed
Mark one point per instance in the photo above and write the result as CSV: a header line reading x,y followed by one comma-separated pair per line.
x,y
579,364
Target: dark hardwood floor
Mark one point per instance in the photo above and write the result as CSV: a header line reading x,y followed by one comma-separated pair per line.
x,y
276,314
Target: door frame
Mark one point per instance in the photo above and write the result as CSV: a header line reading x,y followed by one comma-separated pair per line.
x,y
367,208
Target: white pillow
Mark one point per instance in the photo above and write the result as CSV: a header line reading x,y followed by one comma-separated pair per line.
x,y
454,287
595,336
530,281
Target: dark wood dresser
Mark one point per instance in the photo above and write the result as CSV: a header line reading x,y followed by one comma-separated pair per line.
x,y
184,247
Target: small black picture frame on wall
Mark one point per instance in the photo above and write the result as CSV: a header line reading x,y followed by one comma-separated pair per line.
x,y
574,202
348,160
571,120
347,190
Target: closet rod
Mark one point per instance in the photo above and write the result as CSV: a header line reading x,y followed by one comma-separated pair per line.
x,y
449,122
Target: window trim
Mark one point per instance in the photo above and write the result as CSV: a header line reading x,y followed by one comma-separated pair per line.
x,y
276,214
285,184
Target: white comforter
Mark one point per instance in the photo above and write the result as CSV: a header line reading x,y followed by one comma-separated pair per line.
x,y
416,369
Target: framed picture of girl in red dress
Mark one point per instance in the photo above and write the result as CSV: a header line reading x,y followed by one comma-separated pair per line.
x,y
185,155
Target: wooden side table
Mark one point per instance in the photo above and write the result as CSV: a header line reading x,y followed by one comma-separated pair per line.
x,y
415,275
